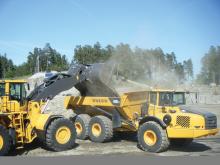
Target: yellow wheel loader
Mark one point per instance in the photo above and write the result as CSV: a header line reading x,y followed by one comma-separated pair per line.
x,y
22,118
160,118
21,121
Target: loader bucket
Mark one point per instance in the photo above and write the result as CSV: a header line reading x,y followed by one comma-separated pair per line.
x,y
97,81
90,80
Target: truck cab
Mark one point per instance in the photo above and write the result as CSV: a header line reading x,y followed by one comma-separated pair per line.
x,y
181,119
165,100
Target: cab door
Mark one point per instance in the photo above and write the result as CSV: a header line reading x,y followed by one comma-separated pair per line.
x,y
17,96
152,103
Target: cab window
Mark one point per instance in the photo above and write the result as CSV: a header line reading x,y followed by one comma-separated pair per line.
x,y
17,92
153,98
2,89
165,98
179,99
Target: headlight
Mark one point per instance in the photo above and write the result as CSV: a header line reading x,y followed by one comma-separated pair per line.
x,y
167,119
184,111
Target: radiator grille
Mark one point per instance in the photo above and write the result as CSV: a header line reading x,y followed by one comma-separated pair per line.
x,y
183,121
211,122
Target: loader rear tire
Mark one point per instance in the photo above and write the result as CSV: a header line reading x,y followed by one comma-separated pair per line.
x,y
60,135
152,137
5,141
82,126
100,129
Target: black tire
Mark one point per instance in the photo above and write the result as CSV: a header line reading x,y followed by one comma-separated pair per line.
x,y
6,142
106,132
161,142
180,142
82,121
51,138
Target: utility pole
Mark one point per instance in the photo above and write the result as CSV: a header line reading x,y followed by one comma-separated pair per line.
x,y
37,68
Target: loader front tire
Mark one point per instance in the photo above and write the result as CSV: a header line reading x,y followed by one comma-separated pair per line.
x,y
100,129
152,137
60,135
5,141
82,126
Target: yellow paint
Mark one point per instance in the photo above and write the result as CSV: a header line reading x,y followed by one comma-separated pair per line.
x,y
189,133
90,101
79,128
13,81
1,142
96,129
63,135
150,138
40,122
37,119
130,103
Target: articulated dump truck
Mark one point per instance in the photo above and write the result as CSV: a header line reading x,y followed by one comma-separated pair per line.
x,y
160,117
158,125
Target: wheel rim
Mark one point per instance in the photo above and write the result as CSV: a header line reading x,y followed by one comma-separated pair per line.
x,y
63,135
150,138
78,128
96,129
1,142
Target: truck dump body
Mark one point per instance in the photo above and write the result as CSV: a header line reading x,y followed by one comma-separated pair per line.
x,y
127,105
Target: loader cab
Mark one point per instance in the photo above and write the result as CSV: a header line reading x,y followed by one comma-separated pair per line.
x,y
13,94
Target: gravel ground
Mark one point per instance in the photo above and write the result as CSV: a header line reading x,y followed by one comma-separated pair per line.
x,y
126,144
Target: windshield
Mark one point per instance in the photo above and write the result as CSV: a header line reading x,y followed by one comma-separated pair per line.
x,y
171,98
2,89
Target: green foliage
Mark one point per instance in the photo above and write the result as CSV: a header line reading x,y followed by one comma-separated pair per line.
x,y
7,68
92,54
49,59
210,67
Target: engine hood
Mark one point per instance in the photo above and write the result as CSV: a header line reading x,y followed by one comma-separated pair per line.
x,y
195,110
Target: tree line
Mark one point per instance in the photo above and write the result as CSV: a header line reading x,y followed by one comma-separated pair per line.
x,y
135,64
47,58
138,63
210,71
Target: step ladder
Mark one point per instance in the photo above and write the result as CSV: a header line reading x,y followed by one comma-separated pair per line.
x,y
19,129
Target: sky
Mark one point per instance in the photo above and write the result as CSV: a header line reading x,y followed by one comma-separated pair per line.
x,y
186,27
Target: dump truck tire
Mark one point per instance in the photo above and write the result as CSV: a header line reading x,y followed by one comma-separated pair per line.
x,y
152,137
5,141
100,129
82,126
60,135
180,142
